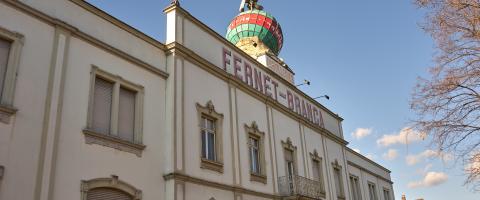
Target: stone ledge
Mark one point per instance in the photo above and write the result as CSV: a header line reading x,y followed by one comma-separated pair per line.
x,y
92,137
6,112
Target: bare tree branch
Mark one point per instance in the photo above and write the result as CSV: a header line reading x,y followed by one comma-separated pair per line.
x,y
448,103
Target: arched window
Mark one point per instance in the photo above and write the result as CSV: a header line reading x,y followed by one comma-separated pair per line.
x,y
109,189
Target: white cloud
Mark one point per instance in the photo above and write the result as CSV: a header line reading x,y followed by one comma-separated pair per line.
x,y
431,179
361,133
405,136
391,154
415,159
357,150
370,156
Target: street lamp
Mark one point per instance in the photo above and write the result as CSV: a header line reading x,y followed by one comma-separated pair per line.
x,y
324,96
305,82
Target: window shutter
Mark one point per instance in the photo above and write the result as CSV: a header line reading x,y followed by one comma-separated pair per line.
x,y
126,115
107,194
4,52
102,106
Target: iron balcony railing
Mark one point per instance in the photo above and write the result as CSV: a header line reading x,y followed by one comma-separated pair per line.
x,y
300,186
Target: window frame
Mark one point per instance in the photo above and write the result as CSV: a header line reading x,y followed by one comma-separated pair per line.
x,y
16,40
111,183
374,187
253,132
386,192
288,146
356,192
112,139
338,168
315,157
208,111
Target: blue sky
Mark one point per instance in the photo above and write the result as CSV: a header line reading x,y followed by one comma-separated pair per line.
x,y
366,55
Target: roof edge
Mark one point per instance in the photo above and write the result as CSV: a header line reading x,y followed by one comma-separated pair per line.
x,y
120,24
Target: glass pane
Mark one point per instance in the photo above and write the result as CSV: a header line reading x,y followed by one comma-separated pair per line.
x,y
210,124
288,155
102,106
4,52
255,163
211,146
126,114
316,170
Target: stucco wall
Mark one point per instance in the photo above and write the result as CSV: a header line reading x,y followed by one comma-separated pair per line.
x,y
20,140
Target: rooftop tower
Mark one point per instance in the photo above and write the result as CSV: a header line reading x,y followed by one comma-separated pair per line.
x,y
255,31
259,34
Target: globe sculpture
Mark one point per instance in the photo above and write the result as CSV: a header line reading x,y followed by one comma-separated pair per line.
x,y
256,25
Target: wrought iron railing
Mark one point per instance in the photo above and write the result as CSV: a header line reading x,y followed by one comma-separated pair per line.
x,y
300,186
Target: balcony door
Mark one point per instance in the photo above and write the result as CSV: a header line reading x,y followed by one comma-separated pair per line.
x,y
290,167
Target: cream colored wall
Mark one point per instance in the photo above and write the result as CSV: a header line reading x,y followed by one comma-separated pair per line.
x,y
101,29
199,192
249,110
284,127
367,164
314,141
334,152
201,87
20,140
94,161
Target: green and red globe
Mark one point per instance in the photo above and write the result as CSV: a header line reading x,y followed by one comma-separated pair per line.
x,y
257,23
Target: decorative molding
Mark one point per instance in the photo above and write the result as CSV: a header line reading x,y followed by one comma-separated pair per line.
x,y
210,112
113,183
258,177
336,165
315,156
6,112
212,165
254,132
289,145
92,137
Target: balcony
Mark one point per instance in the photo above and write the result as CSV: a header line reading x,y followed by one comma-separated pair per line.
x,y
297,187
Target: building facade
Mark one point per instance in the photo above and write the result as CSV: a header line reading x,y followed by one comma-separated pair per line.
x,y
93,109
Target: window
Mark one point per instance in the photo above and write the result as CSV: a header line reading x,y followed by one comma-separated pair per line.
x,y
289,151
317,170
107,193
337,175
4,52
355,186
115,113
372,191
210,130
208,139
109,188
255,144
386,194
10,48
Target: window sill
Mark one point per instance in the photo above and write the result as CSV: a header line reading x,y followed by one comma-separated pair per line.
x,y
341,198
92,137
212,165
258,178
6,113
